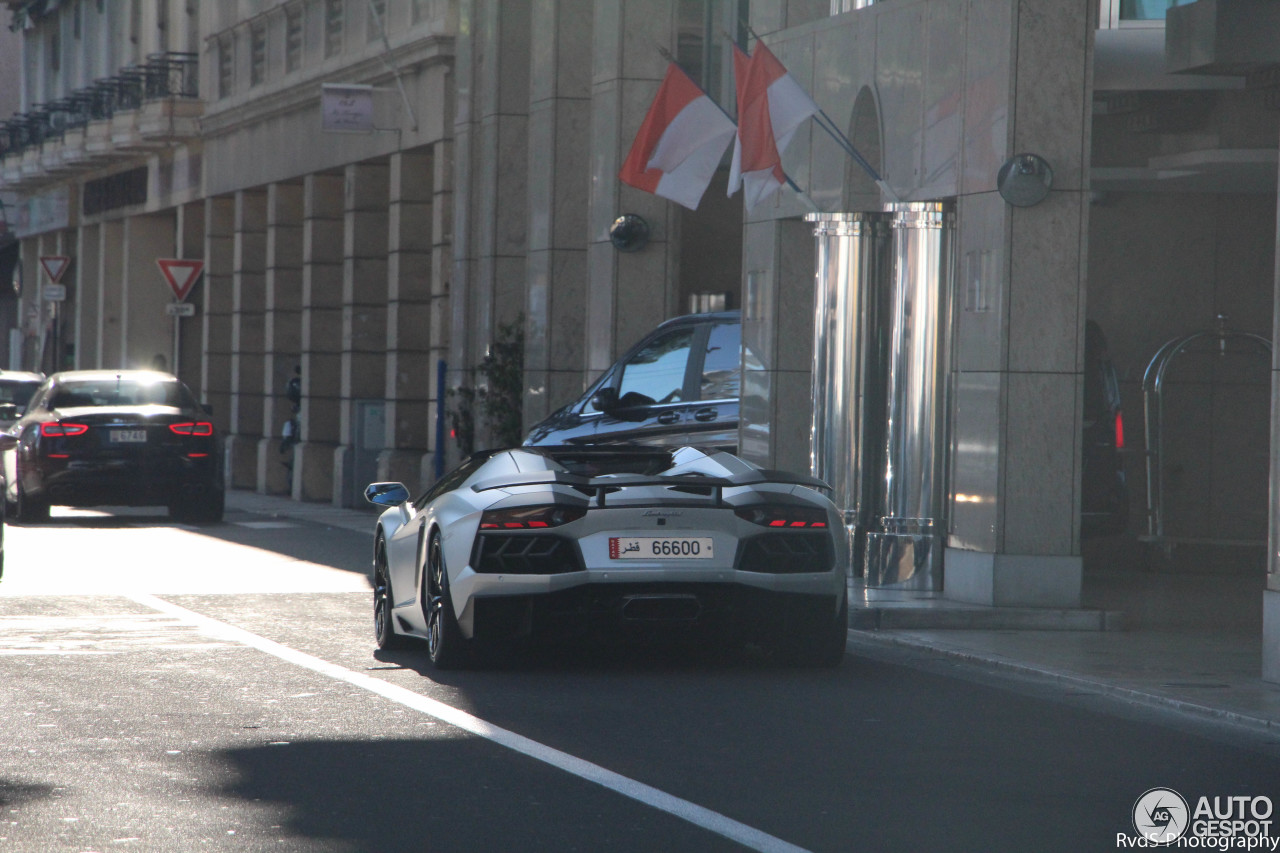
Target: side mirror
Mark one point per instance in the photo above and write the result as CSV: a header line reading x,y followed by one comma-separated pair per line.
x,y
386,494
606,399
8,441
10,412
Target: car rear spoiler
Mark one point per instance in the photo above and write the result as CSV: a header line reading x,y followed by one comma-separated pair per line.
x,y
694,483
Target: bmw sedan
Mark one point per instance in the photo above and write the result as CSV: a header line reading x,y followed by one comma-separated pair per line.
x,y
572,544
116,438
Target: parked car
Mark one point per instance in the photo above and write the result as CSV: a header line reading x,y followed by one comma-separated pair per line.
x,y
16,388
535,542
7,442
1104,493
678,386
115,438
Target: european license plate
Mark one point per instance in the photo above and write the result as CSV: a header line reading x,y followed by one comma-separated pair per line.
x,y
664,548
128,436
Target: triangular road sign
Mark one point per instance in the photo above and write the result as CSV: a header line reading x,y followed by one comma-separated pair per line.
x,y
180,274
55,266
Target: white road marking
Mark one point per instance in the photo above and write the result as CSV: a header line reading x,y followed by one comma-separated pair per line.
x,y
265,525
697,815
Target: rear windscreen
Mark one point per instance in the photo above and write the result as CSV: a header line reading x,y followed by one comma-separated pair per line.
x,y
122,392
587,464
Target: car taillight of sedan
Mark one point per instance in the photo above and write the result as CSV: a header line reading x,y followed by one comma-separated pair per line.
x,y
62,429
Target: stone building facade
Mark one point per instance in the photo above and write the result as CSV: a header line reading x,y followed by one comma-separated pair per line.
x,y
385,264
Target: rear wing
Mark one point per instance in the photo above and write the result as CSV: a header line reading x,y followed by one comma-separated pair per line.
x,y
692,483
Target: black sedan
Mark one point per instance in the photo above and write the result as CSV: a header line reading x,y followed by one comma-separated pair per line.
x,y
116,438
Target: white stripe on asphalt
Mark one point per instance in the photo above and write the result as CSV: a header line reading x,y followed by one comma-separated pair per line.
x,y
691,812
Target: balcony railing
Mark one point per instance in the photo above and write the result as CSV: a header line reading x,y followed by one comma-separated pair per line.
x,y
163,75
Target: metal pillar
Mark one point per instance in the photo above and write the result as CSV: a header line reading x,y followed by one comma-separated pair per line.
x,y
905,544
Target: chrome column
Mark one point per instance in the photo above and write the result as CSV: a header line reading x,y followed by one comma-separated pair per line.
x,y
848,346
904,545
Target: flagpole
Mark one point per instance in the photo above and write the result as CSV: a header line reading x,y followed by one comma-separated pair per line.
x,y
669,57
843,141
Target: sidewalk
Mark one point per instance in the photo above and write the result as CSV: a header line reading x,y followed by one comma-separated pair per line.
x,y
1189,642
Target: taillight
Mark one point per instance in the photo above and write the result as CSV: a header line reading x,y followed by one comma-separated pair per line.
x,y
787,517
192,428
60,429
1119,431
530,517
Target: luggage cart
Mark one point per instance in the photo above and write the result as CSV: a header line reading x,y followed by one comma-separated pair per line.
x,y
1220,339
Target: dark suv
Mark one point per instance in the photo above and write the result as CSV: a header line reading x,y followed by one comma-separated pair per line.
x,y
678,386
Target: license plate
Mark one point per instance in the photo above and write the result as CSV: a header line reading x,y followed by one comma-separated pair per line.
x,y
664,548
128,436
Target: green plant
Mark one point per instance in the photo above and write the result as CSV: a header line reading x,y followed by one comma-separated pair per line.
x,y
498,399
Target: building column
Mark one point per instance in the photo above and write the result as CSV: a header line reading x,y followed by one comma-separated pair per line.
x,y
777,339
1271,594
188,347
110,293
1014,526
411,338
282,332
145,328
364,331
247,308
627,293
322,254
559,163
215,307
88,284
491,145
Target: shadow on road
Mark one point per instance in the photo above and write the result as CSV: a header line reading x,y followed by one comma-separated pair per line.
x,y
437,793
14,793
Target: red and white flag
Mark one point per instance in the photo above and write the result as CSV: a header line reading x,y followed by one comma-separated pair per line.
x,y
680,143
771,105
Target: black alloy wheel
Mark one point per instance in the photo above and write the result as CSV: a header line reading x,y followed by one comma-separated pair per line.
x,y
446,646
384,632
819,642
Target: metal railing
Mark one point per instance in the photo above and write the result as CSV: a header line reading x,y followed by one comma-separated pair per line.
x,y
163,75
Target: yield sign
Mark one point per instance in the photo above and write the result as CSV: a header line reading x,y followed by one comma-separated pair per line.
x,y
180,274
55,266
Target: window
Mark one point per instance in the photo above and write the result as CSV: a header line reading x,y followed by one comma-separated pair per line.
x,y
257,54
293,38
656,373
225,68
421,11
334,17
1147,10
377,20
1135,13
721,370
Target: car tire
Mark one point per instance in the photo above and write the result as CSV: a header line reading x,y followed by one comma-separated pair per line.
x,y
31,510
446,647
820,642
206,507
384,632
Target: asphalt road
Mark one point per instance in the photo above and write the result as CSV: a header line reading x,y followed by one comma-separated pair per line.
x,y
174,688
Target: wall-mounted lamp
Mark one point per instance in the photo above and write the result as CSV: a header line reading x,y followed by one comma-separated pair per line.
x,y
629,233
1024,180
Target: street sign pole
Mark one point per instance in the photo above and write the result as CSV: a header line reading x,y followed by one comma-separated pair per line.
x,y
180,274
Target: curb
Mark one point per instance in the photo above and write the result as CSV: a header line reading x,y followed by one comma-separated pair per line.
x,y
1135,695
